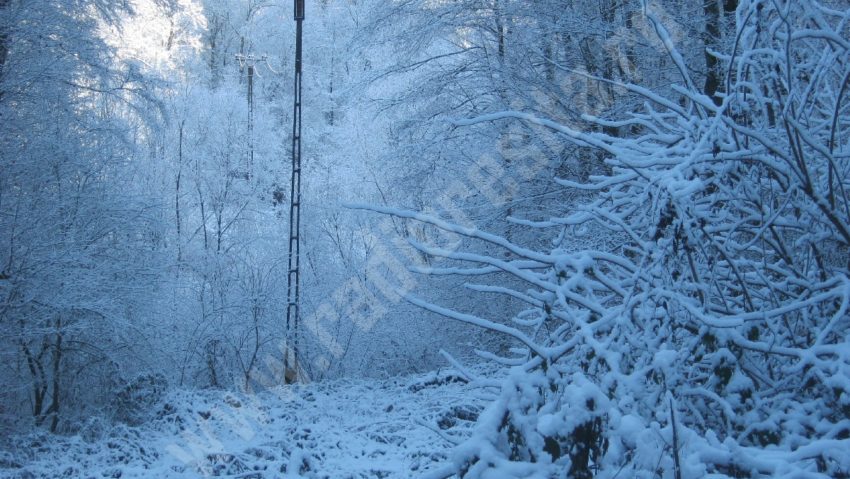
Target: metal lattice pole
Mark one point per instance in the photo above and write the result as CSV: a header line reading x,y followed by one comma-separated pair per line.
x,y
293,280
249,61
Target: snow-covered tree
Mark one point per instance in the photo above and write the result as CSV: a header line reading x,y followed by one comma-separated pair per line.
x,y
78,242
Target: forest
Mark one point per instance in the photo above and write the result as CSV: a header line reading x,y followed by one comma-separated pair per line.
x,y
531,239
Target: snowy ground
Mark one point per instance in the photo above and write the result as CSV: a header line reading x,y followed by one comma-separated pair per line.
x,y
343,429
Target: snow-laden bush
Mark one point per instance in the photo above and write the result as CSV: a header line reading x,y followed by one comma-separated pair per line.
x,y
135,401
713,339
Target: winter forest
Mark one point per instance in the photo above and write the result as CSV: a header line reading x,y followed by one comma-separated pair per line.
x,y
532,239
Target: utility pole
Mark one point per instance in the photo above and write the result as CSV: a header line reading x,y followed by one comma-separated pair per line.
x,y
249,61
293,310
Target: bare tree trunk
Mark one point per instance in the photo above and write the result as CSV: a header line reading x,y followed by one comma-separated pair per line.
x,y
4,50
39,384
53,411
203,215
500,29
177,193
711,39
715,20
255,316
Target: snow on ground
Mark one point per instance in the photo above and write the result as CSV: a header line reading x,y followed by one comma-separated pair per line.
x,y
394,428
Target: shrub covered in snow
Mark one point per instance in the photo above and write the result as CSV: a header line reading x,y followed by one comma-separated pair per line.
x,y
134,403
712,340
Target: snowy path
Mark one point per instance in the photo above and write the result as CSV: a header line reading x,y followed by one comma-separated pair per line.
x,y
395,428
